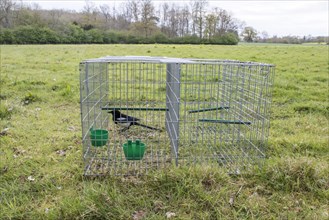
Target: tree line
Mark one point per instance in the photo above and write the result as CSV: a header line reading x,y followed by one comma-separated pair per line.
x,y
134,21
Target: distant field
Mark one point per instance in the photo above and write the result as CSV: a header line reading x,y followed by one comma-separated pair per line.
x,y
41,159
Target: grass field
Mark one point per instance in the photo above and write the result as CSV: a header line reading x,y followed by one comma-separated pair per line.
x,y
40,143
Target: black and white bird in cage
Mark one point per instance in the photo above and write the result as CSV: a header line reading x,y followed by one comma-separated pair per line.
x,y
144,113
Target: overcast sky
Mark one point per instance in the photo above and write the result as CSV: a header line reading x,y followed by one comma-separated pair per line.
x,y
276,17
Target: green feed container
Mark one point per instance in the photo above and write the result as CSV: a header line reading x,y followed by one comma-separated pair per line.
x,y
98,137
134,150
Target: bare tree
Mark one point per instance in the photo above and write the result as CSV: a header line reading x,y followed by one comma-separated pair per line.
x,y
264,36
164,15
89,7
211,25
6,7
184,20
90,12
106,12
28,14
148,18
198,16
122,20
173,21
54,18
134,6
110,17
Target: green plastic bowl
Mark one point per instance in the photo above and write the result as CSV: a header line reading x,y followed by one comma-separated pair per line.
x,y
134,150
99,137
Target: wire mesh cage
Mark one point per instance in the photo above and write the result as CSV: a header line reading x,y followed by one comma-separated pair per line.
x,y
143,113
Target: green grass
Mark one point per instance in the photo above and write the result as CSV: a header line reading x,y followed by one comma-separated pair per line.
x,y
41,163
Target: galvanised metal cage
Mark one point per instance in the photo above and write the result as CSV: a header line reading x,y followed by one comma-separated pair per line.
x,y
142,113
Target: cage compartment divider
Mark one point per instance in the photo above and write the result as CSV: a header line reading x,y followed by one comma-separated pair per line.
x,y
172,102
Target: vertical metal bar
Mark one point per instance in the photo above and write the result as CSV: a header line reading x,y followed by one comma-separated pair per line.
x,y
82,69
173,101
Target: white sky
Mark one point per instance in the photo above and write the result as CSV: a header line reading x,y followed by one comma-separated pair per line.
x,y
302,17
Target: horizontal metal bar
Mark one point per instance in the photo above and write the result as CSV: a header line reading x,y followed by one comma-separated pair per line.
x,y
224,121
134,108
208,109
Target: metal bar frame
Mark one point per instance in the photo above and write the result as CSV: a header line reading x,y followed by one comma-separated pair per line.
x,y
214,112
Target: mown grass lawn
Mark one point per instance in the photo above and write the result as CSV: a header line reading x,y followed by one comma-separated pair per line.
x,y
40,142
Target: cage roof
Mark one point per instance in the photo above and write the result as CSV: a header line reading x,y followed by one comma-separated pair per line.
x,y
149,59
140,59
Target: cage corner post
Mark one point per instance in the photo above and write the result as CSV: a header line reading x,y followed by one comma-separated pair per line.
x,y
172,104
82,72
105,85
84,108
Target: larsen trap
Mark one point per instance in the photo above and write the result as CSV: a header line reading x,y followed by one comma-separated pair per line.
x,y
143,113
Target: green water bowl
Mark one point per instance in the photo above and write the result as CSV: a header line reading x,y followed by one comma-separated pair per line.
x,y
99,137
134,150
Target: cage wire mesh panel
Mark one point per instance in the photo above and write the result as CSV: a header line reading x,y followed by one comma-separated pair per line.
x,y
143,113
